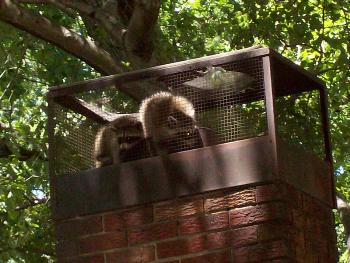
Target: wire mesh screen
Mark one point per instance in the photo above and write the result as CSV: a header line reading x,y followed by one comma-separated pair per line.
x,y
232,103
222,103
73,141
299,121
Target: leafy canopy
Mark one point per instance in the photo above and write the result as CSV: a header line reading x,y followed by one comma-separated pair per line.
x,y
314,34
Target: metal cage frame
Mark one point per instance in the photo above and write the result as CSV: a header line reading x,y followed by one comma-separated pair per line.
x,y
275,69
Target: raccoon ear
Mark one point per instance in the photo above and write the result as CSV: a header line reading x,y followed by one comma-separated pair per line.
x,y
172,122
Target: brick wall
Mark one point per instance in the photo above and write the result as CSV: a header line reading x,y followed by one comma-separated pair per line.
x,y
268,223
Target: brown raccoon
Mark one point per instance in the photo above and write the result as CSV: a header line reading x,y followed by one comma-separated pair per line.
x,y
169,121
115,139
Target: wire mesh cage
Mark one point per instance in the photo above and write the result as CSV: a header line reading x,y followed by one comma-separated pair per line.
x,y
299,121
180,107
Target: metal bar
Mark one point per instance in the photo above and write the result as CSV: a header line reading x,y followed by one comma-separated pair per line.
x,y
157,71
90,111
326,135
51,154
325,123
276,56
270,110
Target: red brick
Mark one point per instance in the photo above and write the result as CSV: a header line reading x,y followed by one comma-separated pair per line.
x,y
138,217
329,217
332,234
220,257
255,214
178,208
87,259
244,236
267,193
216,240
191,207
67,260
313,243
298,219
313,228
153,232
226,200
203,223
292,196
299,245
165,211
74,228
181,247
282,260
310,206
273,230
67,248
102,242
121,220
133,255
323,255
218,202
323,259
332,252
311,257
92,259
232,238
266,251
113,222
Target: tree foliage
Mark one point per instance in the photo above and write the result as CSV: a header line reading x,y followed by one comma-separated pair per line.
x,y
49,42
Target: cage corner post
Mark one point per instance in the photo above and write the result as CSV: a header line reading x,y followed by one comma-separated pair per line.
x,y
270,112
51,155
327,137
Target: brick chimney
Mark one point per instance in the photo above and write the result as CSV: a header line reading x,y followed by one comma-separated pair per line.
x,y
263,193
102,217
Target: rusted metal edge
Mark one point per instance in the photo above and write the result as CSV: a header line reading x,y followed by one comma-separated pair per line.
x,y
51,154
269,89
318,82
306,171
234,164
157,71
327,137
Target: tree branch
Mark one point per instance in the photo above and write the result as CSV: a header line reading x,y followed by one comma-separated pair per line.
x,y
23,154
107,16
33,1
80,6
26,250
60,36
4,149
31,203
323,71
344,212
76,5
60,6
138,37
